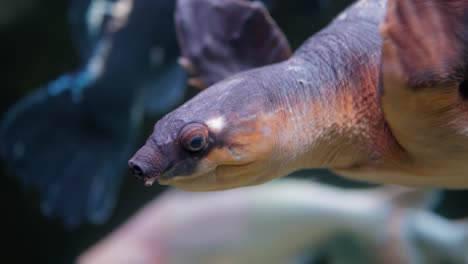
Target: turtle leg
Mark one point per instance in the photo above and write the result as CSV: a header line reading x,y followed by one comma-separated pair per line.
x,y
424,73
220,38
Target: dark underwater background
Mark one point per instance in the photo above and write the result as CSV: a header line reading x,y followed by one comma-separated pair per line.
x,y
36,47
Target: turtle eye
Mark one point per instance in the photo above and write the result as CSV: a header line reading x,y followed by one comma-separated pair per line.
x,y
196,143
194,136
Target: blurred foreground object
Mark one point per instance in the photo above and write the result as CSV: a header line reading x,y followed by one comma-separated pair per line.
x,y
287,221
70,138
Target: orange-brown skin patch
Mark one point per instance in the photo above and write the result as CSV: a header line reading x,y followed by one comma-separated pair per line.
x,y
424,63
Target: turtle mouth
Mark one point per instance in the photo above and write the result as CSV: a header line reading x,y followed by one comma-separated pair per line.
x,y
148,180
189,183
182,178
168,176
219,177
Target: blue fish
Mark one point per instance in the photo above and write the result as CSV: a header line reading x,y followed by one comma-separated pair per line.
x,y
70,139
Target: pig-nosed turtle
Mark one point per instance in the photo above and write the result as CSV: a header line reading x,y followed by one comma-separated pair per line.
x,y
378,95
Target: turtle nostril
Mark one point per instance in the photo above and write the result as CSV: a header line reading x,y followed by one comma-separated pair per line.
x,y
136,170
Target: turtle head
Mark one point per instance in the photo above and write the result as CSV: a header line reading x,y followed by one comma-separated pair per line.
x,y
222,138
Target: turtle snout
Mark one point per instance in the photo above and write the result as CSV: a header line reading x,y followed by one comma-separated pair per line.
x,y
143,171
136,169
145,165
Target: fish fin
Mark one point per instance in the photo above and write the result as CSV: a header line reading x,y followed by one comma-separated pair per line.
x,y
170,85
77,17
220,38
424,71
49,141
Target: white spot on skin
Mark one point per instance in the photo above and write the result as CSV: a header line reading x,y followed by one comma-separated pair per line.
x,y
294,68
362,3
216,124
232,81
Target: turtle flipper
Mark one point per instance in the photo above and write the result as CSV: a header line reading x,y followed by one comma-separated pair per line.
x,y
424,72
221,38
